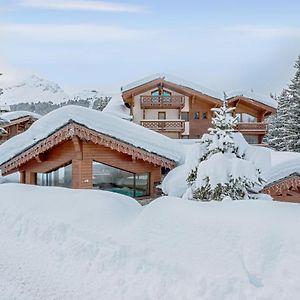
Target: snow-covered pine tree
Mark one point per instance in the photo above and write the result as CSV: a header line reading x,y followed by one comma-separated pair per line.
x,y
222,170
292,126
284,129
276,136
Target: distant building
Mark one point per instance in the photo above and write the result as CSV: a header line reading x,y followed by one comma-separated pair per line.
x,y
17,122
4,108
182,110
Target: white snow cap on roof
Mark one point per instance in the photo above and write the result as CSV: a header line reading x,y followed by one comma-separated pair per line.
x,y
175,80
104,123
267,100
14,115
117,108
4,107
283,164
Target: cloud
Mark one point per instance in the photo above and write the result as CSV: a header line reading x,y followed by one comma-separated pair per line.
x,y
264,31
82,5
70,32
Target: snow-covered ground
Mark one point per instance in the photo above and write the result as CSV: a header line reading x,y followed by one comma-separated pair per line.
x,y
64,244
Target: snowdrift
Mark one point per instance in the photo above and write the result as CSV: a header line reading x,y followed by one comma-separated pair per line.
x,y
65,244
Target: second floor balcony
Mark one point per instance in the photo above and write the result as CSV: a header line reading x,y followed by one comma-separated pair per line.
x,y
164,125
162,101
252,127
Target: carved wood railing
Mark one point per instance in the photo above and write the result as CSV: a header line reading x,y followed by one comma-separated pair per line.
x,y
252,127
164,125
162,101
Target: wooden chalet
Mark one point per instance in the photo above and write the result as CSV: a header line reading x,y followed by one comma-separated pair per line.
x,y
17,122
183,110
83,148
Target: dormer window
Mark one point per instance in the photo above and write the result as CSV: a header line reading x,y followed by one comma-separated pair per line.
x,y
160,93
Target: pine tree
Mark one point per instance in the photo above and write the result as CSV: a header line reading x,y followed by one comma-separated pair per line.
x,y
276,136
284,129
222,170
293,121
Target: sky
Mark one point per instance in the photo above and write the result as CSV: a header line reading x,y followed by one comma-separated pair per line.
x,y
82,44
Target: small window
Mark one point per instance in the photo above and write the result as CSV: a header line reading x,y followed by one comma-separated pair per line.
x,y
204,115
166,93
161,115
196,115
185,116
155,93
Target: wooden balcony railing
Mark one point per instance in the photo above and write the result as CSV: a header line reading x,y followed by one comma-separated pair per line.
x,y
252,127
162,101
164,125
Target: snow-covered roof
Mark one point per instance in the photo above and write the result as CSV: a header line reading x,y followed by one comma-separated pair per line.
x,y
283,164
104,123
175,80
116,107
267,100
14,115
4,107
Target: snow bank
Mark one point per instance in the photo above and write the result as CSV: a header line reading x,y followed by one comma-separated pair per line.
x,y
104,123
116,107
62,244
283,165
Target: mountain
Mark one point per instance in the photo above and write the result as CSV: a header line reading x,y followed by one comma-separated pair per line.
x,y
33,89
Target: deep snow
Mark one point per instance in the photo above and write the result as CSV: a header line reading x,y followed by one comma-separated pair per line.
x,y
64,244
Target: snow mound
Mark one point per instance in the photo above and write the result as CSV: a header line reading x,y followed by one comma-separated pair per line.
x,y
116,107
64,244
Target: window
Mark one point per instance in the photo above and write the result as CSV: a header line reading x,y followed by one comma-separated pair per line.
x,y
161,115
155,93
59,177
204,115
246,118
160,93
196,115
112,179
251,139
185,116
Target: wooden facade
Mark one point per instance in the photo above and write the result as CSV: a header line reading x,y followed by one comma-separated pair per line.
x,y
81,147
188,111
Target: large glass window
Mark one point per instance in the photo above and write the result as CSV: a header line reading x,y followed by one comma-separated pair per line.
x,y
116,180
59,177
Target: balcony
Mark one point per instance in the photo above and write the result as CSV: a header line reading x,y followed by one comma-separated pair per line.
x,y
252,127
164,125
162,101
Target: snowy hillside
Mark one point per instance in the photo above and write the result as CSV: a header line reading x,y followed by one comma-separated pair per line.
x,y
35,89
99,245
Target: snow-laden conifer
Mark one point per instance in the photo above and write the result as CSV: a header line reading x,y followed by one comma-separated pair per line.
x,y
222,170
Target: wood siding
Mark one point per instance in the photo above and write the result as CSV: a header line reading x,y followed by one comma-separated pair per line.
x,y
82,155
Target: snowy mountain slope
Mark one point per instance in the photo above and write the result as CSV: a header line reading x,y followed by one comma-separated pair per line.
x,y
58,243
36,89
33,89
